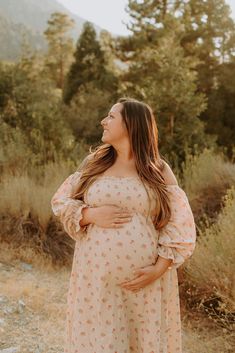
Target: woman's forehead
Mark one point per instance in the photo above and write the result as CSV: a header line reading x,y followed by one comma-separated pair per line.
x,y
116,108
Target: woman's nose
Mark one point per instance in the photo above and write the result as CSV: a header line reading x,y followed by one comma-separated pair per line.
x,y
103,121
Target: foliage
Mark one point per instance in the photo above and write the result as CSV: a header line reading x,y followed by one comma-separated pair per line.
x,y
206,177
219,115
86,111
199,41
31,117
212,267
89,66
161,75
11,37
60,46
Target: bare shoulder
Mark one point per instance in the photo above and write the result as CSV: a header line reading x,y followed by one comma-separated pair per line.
x,y
168,175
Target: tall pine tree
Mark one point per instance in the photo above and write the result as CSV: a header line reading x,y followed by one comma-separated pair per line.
x,y
60,46
89,65
210,35
159,73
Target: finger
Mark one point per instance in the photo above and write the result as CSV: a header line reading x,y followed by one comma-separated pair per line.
x,y
115,225
136,288
135,281
123,220
133,289
123,214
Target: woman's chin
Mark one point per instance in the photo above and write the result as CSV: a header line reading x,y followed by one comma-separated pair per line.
x,y
104,139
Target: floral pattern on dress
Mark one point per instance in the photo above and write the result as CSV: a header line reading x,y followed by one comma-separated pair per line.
x,y
101,316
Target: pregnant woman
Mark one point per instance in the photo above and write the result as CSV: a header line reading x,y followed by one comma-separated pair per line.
x,y
133,227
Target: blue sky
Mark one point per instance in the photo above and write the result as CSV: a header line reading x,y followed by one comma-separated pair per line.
x,y
108,14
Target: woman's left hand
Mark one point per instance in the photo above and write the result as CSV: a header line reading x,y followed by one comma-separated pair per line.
x,y
144,276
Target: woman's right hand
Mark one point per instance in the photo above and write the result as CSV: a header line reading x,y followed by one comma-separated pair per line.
x,y
109,216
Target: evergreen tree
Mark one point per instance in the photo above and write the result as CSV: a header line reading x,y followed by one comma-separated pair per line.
x,y
208,31
219,116
60,46
159,73
29,119
210,35
107,44
85,112
174,55
89,65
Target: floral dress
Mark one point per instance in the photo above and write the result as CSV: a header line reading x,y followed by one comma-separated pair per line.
x,y
101,316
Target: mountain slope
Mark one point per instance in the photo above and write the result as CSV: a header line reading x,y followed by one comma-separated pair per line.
x,y
29,17
11,39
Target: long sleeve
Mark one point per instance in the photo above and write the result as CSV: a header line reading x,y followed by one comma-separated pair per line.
x,y
67,209
177,239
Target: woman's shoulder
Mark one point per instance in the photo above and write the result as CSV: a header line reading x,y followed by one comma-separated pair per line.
x,y
168,175
85,161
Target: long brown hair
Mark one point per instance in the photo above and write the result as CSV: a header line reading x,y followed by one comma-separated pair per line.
x,y
143,134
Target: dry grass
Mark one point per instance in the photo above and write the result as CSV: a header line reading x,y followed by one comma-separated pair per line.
x,y
206,178
205,338
211,270
27,220
219,241
23,195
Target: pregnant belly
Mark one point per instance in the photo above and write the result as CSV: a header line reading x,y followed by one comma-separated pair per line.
x,y
115,253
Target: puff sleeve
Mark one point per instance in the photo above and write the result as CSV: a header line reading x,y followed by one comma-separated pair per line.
x,y
177,239
67,209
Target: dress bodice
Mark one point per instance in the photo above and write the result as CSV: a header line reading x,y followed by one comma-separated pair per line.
x,y
176,240
127,192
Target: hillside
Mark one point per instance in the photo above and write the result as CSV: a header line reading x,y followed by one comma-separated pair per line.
x,y
29,18
12,36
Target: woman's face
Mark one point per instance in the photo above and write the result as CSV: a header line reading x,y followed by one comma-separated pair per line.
x,y
114,127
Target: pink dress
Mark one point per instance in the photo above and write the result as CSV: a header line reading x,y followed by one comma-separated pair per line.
x,y
101,316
